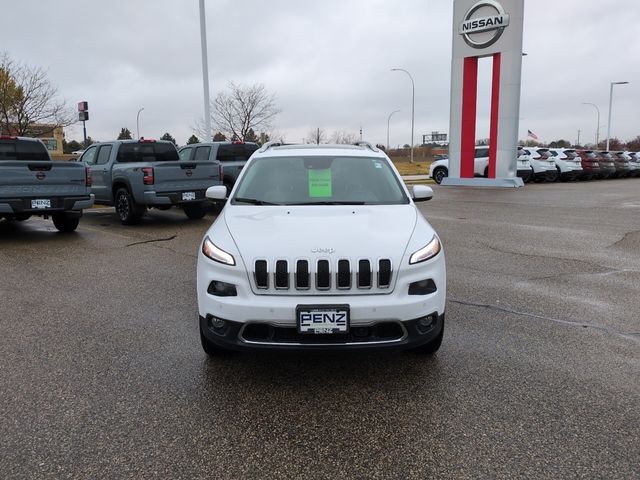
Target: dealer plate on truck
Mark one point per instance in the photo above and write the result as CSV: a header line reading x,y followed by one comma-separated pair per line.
x,y
41,203
188,195
322,319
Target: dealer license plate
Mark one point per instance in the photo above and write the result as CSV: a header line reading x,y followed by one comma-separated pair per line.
x,y
323,319
188,195
41,203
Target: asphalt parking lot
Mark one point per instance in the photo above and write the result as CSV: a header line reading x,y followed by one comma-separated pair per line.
x,y
102,374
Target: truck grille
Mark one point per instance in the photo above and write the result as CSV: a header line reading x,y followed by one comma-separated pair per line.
x,y
322,275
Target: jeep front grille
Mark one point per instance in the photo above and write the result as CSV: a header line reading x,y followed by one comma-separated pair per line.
x,y
322,275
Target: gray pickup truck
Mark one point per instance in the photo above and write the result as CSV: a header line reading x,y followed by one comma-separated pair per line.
x,y
134,175
232,156
32,184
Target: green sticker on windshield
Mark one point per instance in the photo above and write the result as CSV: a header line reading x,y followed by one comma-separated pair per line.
x,y
320,183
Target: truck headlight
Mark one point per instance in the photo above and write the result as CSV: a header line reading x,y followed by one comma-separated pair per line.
x,y
216,253
425,253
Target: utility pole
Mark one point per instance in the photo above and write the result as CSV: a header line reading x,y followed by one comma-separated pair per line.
x,y
578,142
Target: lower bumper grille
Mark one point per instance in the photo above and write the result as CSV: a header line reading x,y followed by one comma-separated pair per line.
x,y
383,332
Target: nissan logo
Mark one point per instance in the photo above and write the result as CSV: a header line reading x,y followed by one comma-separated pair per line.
x,y
483,24
40,175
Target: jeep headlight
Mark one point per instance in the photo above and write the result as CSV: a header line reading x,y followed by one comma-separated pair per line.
x,y
425,253
216,253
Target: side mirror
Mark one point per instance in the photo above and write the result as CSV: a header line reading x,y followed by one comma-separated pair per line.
x,y
217,192
422,193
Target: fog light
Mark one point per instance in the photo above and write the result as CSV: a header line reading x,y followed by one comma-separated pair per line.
x,y
218,323
426,321
222,289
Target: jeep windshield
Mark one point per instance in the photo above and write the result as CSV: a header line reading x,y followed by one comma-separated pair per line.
x,y
316,180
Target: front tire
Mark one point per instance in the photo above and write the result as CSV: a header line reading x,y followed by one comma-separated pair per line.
x,y
439,174
194,211
127,209
66,222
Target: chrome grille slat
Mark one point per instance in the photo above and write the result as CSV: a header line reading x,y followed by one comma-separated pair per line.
x,y
302,275
343,275
281,275
261,274
322,275
364,273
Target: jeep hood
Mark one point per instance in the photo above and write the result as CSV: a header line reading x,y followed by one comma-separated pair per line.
x,y
312,232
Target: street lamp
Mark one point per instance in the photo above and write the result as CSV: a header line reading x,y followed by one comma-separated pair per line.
x,y
597,124
413,103
205,73
388,120
610,103
138,122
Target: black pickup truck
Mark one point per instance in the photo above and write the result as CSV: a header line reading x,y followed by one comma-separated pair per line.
x,y
32,184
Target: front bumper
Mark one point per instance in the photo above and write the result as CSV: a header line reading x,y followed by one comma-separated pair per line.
x,y
371,336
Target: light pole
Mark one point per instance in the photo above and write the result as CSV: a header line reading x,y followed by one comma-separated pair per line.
x,y
413,103
138,122
597,124
389,120
205,73
610,103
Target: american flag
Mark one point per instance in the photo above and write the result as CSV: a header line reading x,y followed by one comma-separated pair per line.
x,y
532,135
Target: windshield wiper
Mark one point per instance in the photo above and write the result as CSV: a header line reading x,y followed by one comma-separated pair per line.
x,y
329,203
254,201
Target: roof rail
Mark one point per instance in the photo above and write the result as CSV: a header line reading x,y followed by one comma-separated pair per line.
x,y
368,145
268,145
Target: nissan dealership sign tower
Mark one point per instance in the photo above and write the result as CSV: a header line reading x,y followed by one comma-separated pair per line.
x,y
485,28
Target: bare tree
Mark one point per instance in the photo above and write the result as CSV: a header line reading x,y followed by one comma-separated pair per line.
x,y
342,136
28,100
240,109
317,136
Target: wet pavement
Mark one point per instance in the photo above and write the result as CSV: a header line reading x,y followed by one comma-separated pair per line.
x,y
102,374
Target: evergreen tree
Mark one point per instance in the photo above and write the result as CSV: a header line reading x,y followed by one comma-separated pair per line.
x,y
125,134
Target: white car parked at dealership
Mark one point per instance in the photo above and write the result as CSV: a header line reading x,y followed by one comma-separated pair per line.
x,y
440,168
542,163
321,246
568,163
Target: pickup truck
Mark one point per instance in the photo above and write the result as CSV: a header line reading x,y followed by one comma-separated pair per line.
x,y
133,175
232,155
32,184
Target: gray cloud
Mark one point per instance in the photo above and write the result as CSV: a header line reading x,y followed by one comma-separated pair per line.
x,y
327,62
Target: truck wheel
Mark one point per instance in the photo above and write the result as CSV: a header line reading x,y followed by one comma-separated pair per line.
x,y
194,211
66,222
439,174
129,212
433,346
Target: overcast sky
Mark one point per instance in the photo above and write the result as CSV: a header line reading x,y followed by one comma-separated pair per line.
x,y
327,62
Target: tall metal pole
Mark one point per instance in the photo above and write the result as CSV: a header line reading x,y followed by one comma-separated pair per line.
x,y
413,103
598,124
388,121
138,123
205,74
610,104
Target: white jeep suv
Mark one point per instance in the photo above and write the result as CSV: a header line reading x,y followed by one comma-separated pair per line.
x,y
320,247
